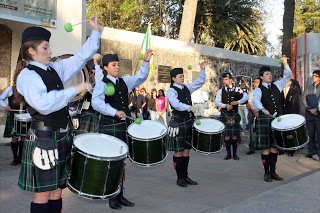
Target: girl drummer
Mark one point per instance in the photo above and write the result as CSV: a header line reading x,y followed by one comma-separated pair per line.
x,y
179,97
40,82
12,108
115,106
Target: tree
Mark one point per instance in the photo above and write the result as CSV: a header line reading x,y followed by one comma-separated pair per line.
x,y
188,18
288,18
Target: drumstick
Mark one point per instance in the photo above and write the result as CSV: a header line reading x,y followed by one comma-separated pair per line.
x,y
17,110
130,117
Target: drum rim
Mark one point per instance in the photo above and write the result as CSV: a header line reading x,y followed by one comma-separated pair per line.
x,y
102,158
209,133
289,129
148,139
207,153
16,117
150,164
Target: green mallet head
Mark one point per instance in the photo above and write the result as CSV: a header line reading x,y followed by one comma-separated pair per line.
x,y
278,119
279,61
141,56
189,67
68,27
109,89
138,121
198,122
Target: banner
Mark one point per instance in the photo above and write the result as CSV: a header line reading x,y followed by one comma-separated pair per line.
x,y
293,57
37,12
146,44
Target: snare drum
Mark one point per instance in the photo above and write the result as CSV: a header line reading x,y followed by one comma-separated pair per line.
x,y
22,123
291,132
97,165
208,136
147,143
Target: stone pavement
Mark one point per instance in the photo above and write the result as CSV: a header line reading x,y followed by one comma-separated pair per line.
x,y
224,186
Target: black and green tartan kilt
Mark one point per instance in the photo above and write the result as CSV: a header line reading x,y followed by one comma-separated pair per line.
x,y
9,131
89,122
183,140
264,136
114,127
231,130
36,180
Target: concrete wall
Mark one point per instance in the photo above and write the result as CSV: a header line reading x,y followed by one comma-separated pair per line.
x,y
168,52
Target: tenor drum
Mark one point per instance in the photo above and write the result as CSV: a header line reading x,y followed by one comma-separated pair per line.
x,y
97,165
22,123
147,143
208,136
290,133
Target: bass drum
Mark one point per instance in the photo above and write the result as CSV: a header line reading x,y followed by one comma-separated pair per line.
x,y
80,77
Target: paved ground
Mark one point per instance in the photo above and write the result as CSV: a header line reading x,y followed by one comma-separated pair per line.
x,y
224,186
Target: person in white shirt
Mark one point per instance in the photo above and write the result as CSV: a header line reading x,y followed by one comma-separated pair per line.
x,y
199,99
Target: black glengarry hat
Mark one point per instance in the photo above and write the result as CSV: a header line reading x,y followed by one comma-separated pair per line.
x,y
175,72
109,58
35,33
227,75
264,69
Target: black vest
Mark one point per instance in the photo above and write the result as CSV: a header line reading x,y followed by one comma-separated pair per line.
x,y
232,95
51,79
184,96
119,100
266,99
12,104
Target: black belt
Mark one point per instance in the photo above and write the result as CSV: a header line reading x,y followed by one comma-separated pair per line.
x,y
39,125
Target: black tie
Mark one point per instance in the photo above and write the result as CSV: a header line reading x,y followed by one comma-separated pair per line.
x,y
117,83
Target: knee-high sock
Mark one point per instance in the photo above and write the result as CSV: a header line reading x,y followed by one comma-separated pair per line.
x,y
55,206
273,161
227,144
39,208
14,149
234,143
20,150
266,163
185,161
178,165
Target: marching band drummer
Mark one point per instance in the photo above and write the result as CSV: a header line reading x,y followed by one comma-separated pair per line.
x,y
16,145
267,99
40,82
179,97
115,106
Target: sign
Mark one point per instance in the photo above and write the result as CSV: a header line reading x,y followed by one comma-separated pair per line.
x,y
164,74
37,12
293,57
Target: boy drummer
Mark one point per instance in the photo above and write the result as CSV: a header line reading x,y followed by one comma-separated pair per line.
x,y
267,99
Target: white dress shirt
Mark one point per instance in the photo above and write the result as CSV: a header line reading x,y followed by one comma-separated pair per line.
x,y
6,94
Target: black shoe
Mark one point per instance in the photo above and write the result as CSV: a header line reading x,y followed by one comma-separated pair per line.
x,y
228,157
281,152
114,204
190,182
123,201
267,178
14,162
250,152
274,176
182,183
235,157
309,156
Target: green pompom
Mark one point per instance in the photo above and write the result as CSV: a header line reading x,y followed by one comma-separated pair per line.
x,y
189,67
278,119
110,89
141,56
68,27
198,122
138,121
279,61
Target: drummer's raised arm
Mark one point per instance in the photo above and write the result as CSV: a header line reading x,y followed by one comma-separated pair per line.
x,y
69,67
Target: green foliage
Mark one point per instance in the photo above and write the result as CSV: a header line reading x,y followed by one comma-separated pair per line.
x,y
306,17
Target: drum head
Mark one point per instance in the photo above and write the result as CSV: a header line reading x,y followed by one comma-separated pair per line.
x,y
148,129
80,77
288,122
100,145
23,116
208,125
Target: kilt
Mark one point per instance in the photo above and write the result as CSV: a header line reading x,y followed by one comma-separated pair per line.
x,y
183,140
9,131
264,135
89,122
231,130
36,180
114,127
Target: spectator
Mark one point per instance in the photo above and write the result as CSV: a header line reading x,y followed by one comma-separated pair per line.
x,y
243,111
152,105
141,102
199,99
133,102
161,105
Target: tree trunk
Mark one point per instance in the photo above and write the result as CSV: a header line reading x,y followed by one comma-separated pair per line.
x,y
188,18
288,18
165,19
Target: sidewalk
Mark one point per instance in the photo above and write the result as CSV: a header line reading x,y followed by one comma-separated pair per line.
x,y
224,186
